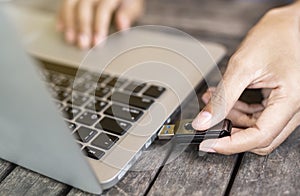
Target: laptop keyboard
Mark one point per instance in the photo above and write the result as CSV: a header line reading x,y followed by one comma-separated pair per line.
x,y
98,110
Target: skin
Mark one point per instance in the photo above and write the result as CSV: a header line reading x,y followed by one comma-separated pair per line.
x,y
268,58
86,23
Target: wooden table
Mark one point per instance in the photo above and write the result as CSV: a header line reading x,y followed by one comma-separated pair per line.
x,y
188,173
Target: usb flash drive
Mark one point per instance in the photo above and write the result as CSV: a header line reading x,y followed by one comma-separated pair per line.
x,y
183,132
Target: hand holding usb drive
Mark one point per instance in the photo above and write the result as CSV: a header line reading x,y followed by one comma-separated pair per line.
x,y
183,132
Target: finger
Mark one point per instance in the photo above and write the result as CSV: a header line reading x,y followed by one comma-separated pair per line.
x,y
239,105
104,11
128,12
68,9
263,84
235,80
228,145
59,21
258,136
223,99
85,23
248,108
291,126
266,92
265,102
206,97
240,119
257,114
208,94
239,115
235,130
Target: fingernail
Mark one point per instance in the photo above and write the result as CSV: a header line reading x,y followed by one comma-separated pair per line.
x,y
98,39
206,98
207,150
207,145
70,36
202,119
84,41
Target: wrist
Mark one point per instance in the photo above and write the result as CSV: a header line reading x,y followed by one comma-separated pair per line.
x,y
292,10
287,13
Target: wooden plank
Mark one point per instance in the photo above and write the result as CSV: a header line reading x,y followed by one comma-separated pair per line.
x,y
188,172
275,174
139,177
218,17
208,174
24,182
191,174
5,169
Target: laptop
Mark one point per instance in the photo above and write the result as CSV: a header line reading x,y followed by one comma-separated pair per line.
x,y
84,117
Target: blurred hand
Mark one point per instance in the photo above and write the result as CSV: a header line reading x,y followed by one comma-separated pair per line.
x,y
87,22
268,58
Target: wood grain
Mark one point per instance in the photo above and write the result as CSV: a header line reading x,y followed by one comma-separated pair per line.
x,y
189,173
218,17
24,182
275,174
137,180
5,169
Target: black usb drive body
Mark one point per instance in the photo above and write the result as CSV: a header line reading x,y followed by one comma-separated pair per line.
x,y
183,132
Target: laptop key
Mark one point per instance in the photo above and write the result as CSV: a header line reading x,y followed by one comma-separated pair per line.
x,y
135,87
59,105
124,112
60,94
65,82
45,75
88,118
70,71
79,145
84,134
132,100
105,141
77,99
61,80
100,92
70,112
154,91
96,105
116,82
117,127
97,78
71,126
93,153
84,87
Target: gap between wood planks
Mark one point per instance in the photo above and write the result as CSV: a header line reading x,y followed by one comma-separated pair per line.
x,y
230,183
7,172
234,173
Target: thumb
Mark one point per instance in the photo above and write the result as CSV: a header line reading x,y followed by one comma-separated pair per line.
x,y
223,99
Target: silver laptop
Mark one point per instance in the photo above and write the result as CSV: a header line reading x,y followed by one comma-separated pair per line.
x,y
84,117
